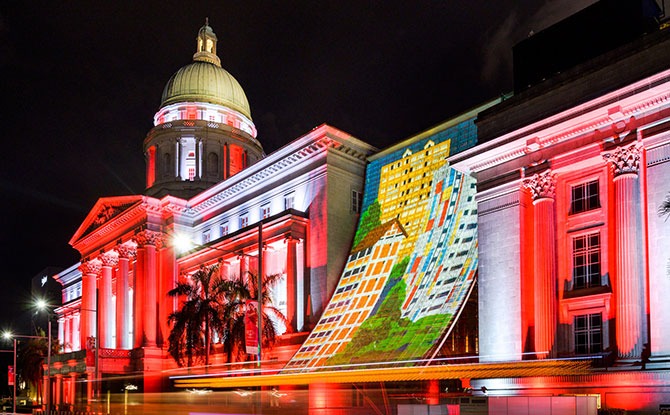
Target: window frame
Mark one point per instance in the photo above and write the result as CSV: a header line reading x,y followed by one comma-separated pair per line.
x,y
588,332
586,252
589,201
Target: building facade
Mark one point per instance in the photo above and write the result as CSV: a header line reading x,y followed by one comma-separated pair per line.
x,y
292,213
540,210
571,243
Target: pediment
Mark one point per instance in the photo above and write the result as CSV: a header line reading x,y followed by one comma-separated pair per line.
x,y
104,211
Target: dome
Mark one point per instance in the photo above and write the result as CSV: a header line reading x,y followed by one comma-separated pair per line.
x,y
202,81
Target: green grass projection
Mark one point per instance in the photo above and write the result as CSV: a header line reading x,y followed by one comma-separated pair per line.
x,y
385,336
369,221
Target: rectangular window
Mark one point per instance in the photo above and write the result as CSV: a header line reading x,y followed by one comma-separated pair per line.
x,y
265,211
289,201
586,261
206,236
588,333
244,220
584,197
356,201
224,229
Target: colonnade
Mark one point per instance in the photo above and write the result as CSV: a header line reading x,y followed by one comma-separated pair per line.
x,y
115,329
629,285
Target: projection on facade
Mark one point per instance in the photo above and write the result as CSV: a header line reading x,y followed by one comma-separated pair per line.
x,y
413,262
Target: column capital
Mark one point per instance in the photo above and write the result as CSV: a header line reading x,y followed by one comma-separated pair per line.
x,y
127,250
147,237
542,185
91,267
109,258
624,160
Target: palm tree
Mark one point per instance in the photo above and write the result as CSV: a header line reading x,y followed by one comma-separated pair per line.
x,y
664,209
238,292
198,318
32,356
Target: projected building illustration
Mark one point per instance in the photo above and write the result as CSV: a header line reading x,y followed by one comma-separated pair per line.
x,y
413,261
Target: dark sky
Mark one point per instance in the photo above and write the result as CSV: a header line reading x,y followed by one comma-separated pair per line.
x,y
81,81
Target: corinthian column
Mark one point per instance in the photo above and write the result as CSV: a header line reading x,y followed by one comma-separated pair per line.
x,y
106,313
148,241
629,276
126,253
542,187
89,271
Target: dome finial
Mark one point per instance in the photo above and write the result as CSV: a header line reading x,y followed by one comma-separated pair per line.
x,y
206,45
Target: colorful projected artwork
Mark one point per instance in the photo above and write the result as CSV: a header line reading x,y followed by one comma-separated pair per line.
x,y
413,263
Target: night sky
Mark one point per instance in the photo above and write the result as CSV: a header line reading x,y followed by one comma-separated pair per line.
x,y
81,81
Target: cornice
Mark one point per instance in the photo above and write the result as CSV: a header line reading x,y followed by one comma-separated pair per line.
x,y
315,144
610,112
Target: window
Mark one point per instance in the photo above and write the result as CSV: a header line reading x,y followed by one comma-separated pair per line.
x,y
224,229
206,236
265,211
588,333
244,220
289,201
584,197
356,201
586,261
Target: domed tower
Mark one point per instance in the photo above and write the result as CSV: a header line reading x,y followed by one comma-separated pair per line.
x,y
203,132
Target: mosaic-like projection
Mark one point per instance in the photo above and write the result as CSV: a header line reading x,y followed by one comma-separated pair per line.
x,y
413,263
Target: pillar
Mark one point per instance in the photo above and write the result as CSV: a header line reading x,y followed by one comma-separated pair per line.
x,y
76,331
58,391
542,187
629,274
89,270
224,159
291,283
63,323
147,242
244,267
126,253
106,313
72,396
198,159
179,154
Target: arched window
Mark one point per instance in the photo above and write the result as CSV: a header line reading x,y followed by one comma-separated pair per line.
x,y
213,165
167,164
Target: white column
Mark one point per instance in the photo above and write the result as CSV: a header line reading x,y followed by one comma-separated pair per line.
x,y
106,313
126,253
90,271
629,274
542,187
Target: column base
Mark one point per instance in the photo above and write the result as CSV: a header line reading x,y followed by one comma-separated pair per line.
x,y
630,363
657,362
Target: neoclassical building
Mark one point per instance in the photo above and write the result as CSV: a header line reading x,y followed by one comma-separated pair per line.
x,y
573,252
540,210
292,212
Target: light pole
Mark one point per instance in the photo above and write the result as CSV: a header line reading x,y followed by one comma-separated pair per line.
x,y
8,335
42,305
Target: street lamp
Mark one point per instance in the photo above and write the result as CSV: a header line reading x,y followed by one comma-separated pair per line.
x,y
8,335
42,305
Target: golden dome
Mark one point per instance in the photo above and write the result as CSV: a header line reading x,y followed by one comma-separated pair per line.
x,y
204,80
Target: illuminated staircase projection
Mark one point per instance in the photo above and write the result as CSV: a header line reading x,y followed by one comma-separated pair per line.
x,y
413,263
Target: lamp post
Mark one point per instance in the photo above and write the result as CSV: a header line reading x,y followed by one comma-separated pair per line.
x,y
8,335
42,305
